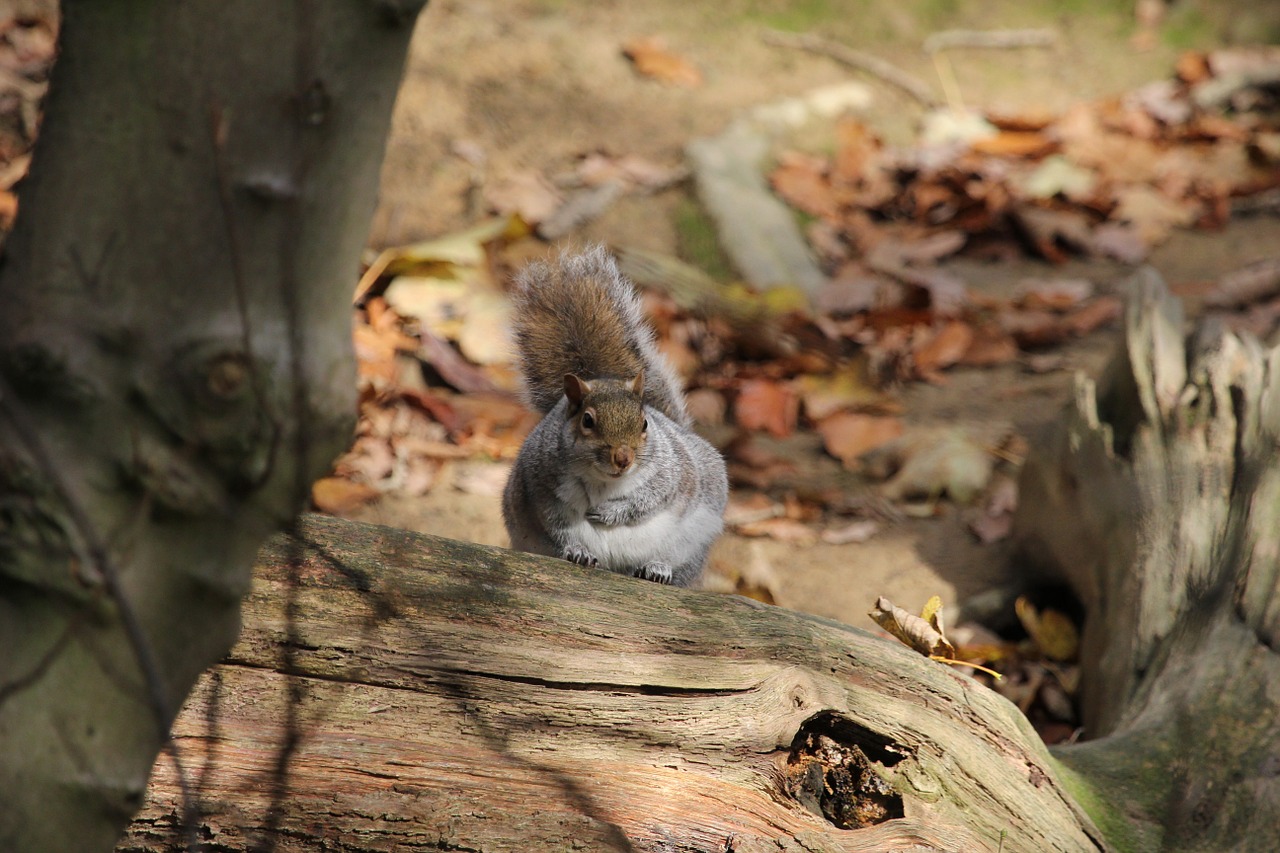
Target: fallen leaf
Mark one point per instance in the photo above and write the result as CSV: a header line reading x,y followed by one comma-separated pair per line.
x,y
944,348
1015,143
767,405
1099,312
488,479
1119,240
1054,634
845,390
753,507
757,578
913,631
338,495
706,406
485,336
1059,176
847,435
527,194
854,532
1058,294
1051,231
653,59
782,529
801,181
1151,212
990,346
1251,283
930,462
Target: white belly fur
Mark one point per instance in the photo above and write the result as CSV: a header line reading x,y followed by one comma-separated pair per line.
x,y
666,537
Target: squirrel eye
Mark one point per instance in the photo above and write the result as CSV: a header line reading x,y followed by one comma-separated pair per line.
x,y
588,421
644,425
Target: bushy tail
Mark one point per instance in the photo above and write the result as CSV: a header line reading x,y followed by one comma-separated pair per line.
x,y
579,315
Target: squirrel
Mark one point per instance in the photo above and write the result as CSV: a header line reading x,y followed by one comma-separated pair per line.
x,y
613,475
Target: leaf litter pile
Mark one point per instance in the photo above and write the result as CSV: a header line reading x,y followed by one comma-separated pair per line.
x,y
1110,179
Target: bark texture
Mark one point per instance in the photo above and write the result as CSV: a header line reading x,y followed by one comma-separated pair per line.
x,y
1158,500
174,365
453,696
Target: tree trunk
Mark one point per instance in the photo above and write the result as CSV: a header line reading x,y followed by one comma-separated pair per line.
x,y
174,364
450,696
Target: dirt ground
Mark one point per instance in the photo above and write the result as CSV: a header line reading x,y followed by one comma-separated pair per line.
x,y
539,83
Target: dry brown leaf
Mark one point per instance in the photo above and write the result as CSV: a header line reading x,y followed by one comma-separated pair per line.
x,y
990,346
1151,212
339,495
1057,294
945,348
757,578
1050,232
930,462
487,479
1015,143
847,435
1121,241
527,194
1251,283
1035,328
755,506
652,58
781,529
913,631
706,406
767,405
1099,312
853,532
801,181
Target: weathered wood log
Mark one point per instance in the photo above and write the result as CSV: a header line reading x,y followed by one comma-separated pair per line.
x,y
450,696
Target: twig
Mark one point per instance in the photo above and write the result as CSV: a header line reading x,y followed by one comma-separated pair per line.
x,y
873,65
1000,39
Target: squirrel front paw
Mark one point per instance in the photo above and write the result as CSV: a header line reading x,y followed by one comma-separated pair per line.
x,y
655,571
607,515
579,555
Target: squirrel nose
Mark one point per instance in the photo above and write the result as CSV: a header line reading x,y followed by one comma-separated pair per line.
x,y
623,457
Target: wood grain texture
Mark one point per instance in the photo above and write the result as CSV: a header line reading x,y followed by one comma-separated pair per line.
x,y
454,696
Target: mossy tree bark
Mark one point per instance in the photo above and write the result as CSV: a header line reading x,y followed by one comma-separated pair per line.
x,y
174,364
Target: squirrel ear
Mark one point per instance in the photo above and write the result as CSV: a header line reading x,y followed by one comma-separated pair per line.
x,y
637,385
575,389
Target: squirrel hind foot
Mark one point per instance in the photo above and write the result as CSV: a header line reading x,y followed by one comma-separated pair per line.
x,y
581,556
656,571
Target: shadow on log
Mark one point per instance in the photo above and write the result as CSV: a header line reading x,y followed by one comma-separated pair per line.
x,y
437,695
452,696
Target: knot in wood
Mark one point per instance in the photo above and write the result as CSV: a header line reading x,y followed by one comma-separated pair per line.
x,y
214,403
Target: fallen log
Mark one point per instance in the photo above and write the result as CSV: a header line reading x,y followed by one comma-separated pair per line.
x,y
440,695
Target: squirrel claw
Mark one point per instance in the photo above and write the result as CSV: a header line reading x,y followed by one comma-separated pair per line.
x,y
582,557
656,572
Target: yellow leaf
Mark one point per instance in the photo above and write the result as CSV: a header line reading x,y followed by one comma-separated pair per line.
x,y
1054,634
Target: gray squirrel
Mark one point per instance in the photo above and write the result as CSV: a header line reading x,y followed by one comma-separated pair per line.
x,y
613,475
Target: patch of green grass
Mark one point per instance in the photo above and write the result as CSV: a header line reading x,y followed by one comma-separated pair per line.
x,y
696,241
793,15
1187,28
